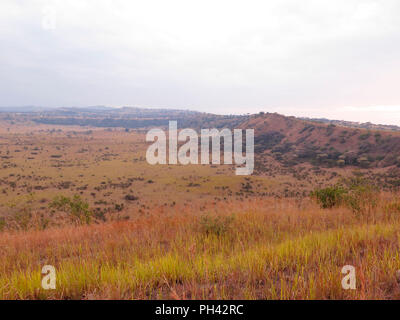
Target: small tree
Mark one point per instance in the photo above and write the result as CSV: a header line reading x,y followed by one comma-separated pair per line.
x,y
329,197
77,208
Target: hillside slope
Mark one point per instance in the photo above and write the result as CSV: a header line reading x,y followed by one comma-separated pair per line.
x,y
293,141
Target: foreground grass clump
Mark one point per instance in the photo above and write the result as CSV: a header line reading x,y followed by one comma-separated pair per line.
x,y
254,249
217,225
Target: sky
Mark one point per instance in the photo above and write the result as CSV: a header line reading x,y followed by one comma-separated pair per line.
x,y
313,58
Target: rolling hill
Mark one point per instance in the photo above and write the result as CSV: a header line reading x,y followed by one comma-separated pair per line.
x,y
288,140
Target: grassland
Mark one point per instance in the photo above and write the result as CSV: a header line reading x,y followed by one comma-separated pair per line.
x,y
252,249
106,167
181,232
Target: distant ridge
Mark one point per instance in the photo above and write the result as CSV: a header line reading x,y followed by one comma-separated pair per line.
x,y
288,140
168,113
354,124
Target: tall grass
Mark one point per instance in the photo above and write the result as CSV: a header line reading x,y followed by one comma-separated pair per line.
x,y
253,249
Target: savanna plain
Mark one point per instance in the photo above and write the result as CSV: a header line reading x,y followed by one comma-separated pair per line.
x,y
84,200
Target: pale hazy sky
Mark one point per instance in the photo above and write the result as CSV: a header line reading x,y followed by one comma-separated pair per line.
x,y
337,59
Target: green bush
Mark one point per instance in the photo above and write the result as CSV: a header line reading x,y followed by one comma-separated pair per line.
x,y
329,197
76,207
355,193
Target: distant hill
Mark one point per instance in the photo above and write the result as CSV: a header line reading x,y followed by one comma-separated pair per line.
x,y
134,118
289,140
353,124
293,141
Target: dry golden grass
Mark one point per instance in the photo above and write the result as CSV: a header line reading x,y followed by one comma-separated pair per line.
x,y
196,232
252,249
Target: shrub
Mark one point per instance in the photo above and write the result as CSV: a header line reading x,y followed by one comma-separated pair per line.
x,y
131,197
329,197
119,207
355,193
77,208
364,136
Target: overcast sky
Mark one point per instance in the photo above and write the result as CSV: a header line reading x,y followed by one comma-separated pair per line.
x,y
337,59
